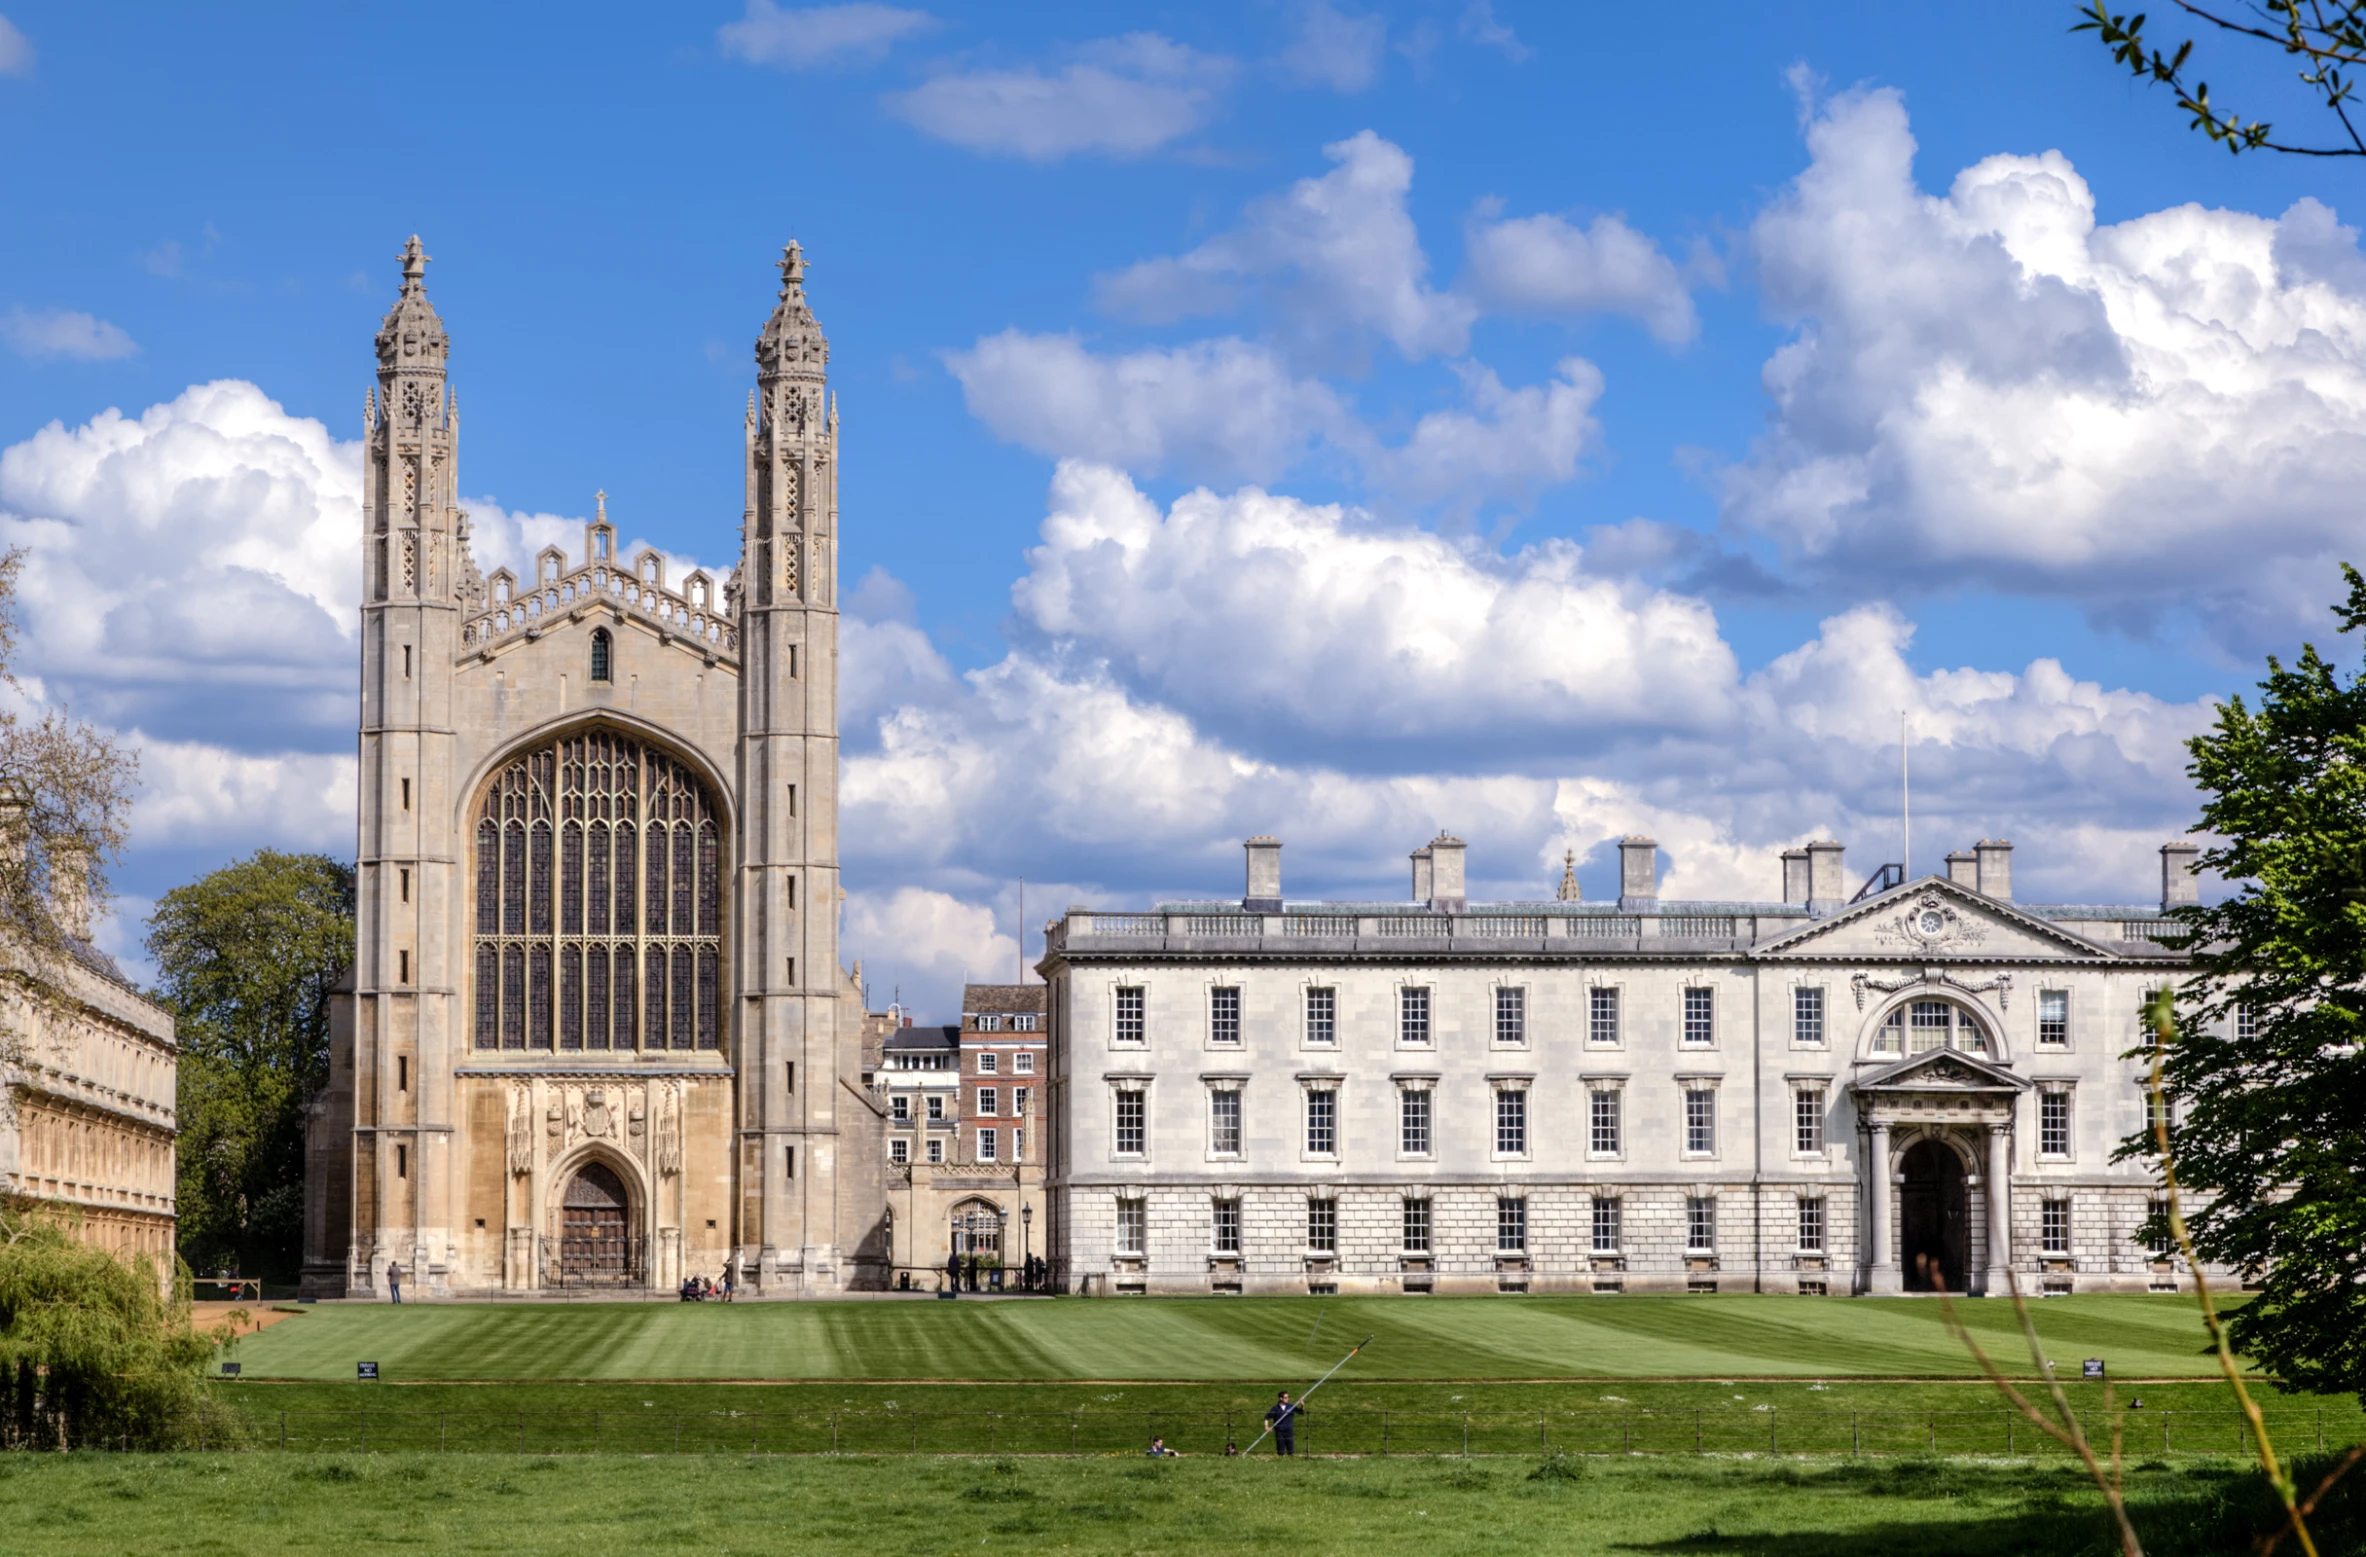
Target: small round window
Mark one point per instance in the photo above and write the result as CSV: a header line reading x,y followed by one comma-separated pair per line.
x,y
1919,1026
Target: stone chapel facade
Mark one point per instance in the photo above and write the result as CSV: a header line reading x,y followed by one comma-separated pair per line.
x,y
598,1034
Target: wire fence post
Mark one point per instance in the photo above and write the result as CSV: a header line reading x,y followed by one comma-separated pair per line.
x,y
283,1430
1773,1439
1933,1444
1071,1432
521,1432
833,1432
677,1432
595,1432
1466,1435
439,1432
1856,1436
2009,1425
1696,1431
1626,1432
1384,1435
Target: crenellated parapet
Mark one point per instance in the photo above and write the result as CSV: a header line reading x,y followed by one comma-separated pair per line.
x,y
692,615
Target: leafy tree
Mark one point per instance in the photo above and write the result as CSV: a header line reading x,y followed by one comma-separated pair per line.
x,y
2326,37
246,957
2268,1072
92,1348
64,789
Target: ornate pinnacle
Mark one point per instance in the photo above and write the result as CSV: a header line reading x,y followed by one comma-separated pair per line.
x,y
414,260
601,498
792,267
1568,892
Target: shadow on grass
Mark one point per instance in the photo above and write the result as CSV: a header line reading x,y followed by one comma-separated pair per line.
x,y
2184,1512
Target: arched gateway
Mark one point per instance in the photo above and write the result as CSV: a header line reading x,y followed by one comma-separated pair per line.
x,y
596,1245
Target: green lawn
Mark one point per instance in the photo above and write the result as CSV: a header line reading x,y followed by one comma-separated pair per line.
x,y
95,1505
1210,1340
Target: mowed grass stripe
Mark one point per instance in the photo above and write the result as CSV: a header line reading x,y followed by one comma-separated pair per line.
x,y
1219,1340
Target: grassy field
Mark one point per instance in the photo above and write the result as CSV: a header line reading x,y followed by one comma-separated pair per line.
x,y
263,1505
1205,1340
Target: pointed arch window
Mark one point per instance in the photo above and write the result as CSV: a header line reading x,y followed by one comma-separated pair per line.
x,y
603,649
599,902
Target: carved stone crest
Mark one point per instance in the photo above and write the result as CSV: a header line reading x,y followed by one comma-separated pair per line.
x,y
1931,923
599,1121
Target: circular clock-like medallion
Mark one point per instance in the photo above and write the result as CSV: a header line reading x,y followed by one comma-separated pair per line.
x,y
1931,922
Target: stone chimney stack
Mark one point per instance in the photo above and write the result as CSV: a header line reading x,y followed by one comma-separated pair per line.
x,y
1421,874
1996,868
1963,868
1795,876
1264,894
1446,890
1827,877
2180,887
1638,874
69,889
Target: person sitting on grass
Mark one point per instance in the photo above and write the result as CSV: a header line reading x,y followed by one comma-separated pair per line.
x,y
1160,1451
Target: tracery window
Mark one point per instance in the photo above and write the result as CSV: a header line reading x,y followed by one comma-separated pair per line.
x,y
598,902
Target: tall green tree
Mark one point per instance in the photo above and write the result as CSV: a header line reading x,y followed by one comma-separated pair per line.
x,y
2268,1071
246,958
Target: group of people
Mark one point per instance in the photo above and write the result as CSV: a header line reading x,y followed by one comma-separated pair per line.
x,y
1282,1419
973,1273
699,1289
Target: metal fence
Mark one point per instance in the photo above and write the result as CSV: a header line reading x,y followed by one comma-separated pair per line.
x,y
1776,1431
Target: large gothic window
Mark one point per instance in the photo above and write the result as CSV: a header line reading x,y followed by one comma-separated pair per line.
x,y
599,894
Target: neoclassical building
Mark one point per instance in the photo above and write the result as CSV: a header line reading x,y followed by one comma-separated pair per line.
x,y
1918,1083
599,1035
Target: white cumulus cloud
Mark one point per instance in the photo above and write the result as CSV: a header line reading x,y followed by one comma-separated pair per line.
x,y
1549,265
1335,49
923,945
1988,387
16,50
1338,255
810,36
1123,97
63,332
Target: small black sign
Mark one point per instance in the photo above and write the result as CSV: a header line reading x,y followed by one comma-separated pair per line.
x,y
365,1370
230,1370
2092,1368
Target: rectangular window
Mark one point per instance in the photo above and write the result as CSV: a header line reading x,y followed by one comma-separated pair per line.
x,y
792,1076
2053,1018
1416,1226
1700,1224
1224,1122
1807,1017
1131,1223
899,1151
1018,1146
1511,1017
1413,1119
988,1064
1413,1015
1225,1238
2246,1024
406,886
2159,1110
936,1151
789,1162
1602,1136
1700,1018
899,1108
989,1143
2055,1226
2157,1238
936,1109
1807,1113
1511,1224
402,1073
989,1024
402,967
1811,1224
1024,1063
989,1102
2145,1036
1130,1028
1606,1224
1700,1120
402,1162
1602,1016
1019,1097
1322,1226
1322,1124
2053,1124
1511,1122
1130,1137
1322,1016
1023,1023
1224,1014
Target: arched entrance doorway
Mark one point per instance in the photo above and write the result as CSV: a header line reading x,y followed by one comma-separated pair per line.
x,y
1934,1221
595,1240
977,1236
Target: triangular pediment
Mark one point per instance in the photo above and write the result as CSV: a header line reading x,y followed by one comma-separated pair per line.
x,y
1941,1070
1934,920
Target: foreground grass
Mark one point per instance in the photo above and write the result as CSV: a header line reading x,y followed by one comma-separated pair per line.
x,y
1204,1339
257,1506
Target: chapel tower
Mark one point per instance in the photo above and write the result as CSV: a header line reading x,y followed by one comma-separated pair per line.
x,y
792,1198
413,542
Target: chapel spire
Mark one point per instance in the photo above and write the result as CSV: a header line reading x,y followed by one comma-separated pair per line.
x,y
412,339
792,345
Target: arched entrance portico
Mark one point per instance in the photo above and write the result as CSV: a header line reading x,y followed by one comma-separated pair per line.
x,y
1934,1218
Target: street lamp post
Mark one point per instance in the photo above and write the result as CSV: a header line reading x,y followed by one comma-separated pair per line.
x,y
1026,1245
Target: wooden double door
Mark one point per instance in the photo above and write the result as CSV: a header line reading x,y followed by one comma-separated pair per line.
x,y
595,1234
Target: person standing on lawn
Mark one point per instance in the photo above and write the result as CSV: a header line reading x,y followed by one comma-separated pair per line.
x,y
394,1281
953,1272
1283,1419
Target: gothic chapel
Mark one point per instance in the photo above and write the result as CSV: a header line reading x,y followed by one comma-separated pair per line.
x,y
597,1034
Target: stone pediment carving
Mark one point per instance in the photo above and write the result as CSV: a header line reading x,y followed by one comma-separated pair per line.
x,y
1941,1070
1933,919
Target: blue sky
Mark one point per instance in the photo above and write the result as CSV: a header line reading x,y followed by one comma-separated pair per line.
x,y
1684,430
